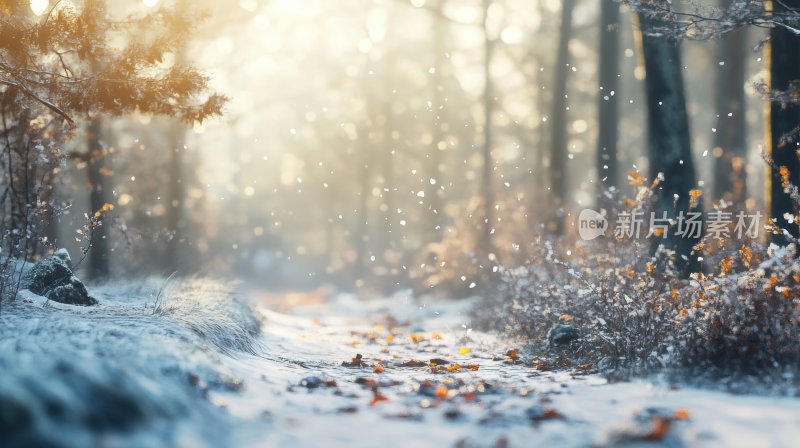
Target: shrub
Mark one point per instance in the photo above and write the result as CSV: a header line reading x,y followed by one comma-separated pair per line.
x,y
635,314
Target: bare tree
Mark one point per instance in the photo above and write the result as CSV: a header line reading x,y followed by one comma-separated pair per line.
x,y
669,138
176,195
730,152
784,118
558,145
98,266
607,106
433,195
487,190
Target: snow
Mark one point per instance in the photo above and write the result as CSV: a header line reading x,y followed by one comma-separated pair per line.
x,y
199,373
117,374
314,338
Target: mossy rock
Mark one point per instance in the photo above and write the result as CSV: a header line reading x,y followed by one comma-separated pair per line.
x,y
53,278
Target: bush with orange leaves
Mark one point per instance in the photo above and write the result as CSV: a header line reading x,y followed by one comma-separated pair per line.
x,y
634,314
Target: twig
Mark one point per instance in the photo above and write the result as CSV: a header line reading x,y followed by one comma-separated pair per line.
x,y
45,102
156,306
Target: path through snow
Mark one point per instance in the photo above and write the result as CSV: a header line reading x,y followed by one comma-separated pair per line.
x,y
299,393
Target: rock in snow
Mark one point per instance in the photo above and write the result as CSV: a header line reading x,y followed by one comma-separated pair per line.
x,y
53,278
562,334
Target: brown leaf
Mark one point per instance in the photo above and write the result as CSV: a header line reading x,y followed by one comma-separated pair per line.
x,y
355,362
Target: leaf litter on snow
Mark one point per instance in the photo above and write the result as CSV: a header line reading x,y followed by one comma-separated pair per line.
x,y
389,365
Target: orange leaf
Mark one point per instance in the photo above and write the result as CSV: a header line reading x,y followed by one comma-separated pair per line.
x,y
441,392
454,367
694,197
634,179
377,397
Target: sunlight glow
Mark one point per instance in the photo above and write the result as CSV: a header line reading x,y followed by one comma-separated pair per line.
x,y
150,3
39,6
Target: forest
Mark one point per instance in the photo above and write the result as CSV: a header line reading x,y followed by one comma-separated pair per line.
x,y
466,223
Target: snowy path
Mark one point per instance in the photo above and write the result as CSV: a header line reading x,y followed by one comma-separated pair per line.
x,y
299,394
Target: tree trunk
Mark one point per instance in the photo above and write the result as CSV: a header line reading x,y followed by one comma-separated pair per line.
x,y
176,193
783,120
730,150
485,246
607,106
362,226
388,178
432,194
98,262
669,140
558,145
175,197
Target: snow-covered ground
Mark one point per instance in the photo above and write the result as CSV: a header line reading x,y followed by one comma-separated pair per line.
x,y
496,404
199,373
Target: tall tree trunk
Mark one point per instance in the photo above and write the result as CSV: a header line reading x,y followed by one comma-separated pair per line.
x,y
485,246
538,179
175,196
558,145
730,145
607,106
783,119
98,263
176,193
388,178
362,226
669,139
432,194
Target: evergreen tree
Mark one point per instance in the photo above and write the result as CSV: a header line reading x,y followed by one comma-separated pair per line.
x,y
50,81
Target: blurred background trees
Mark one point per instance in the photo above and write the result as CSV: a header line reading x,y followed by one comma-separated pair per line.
x,y
61,65
417,143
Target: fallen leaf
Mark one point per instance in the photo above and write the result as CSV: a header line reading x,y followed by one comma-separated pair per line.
x,y
659,429
441,392
413,363
355,362
377,397
454,367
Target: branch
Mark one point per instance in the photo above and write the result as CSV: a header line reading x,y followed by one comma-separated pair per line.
x,y
46,103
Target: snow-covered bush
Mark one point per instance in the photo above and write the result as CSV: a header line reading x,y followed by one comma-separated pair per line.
x,y
636,314
633,311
